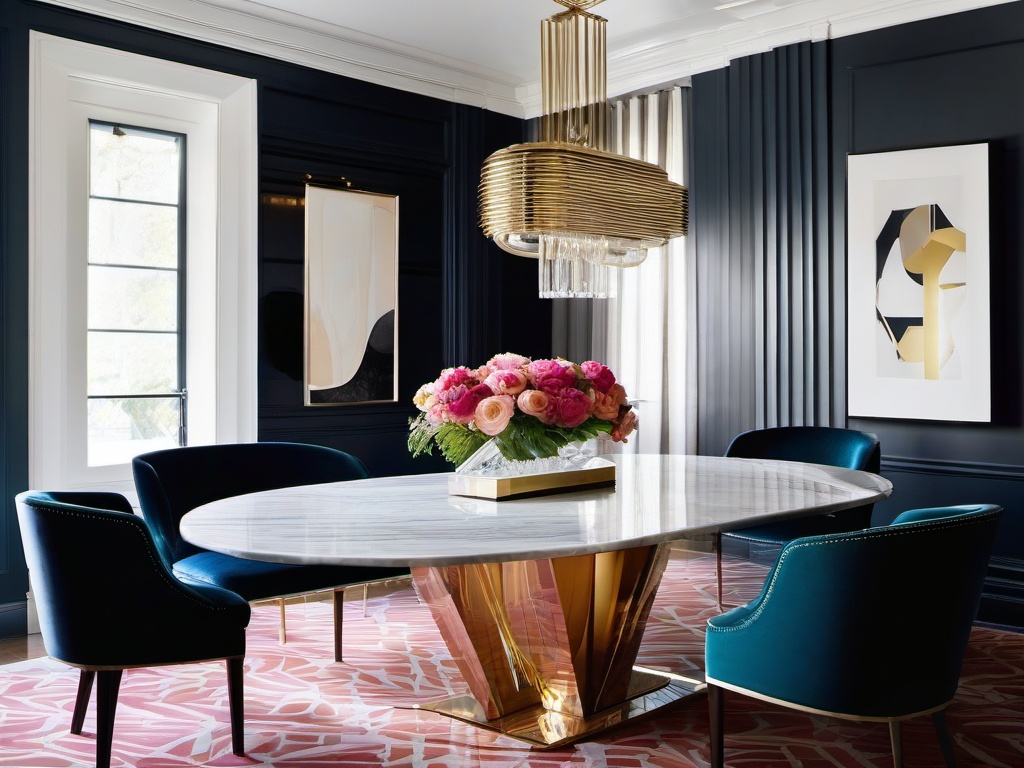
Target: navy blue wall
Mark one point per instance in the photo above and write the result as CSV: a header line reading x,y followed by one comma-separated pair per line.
x,y
952,80
461,299
949,80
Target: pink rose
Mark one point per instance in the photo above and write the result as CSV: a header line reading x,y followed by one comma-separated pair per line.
x,y
463,407
552,376
493,414
534,402
601,376
506,382
572,408
625,426
437,414
507,362
454,377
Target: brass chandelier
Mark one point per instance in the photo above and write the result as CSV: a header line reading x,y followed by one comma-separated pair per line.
x,y
567,199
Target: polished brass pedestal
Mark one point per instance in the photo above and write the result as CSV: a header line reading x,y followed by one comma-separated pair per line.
x,y
548,647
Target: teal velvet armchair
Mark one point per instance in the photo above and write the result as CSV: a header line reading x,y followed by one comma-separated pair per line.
x,y
867,625
847,448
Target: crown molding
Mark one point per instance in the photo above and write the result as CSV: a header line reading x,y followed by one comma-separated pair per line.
x,y
673,56
326,47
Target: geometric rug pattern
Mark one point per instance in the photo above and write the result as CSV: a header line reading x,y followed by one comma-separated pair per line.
x,y
303,710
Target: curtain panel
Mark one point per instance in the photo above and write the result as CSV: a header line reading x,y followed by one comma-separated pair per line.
x,y
643,332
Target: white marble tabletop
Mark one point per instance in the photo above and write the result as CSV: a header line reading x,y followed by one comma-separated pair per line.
x,y
411,520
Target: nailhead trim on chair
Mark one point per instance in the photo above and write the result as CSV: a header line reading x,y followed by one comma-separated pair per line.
x,y
877,533
134,525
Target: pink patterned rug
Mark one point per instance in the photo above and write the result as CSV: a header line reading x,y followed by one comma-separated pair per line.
x,y
303,710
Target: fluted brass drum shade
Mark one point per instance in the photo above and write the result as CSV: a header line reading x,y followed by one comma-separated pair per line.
x,y
551,187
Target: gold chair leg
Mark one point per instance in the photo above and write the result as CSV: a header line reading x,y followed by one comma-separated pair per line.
x,y
282,632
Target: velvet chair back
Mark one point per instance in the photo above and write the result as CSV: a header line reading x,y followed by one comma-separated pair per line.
x,y
870,623
107,601
820,445
105,598
175,481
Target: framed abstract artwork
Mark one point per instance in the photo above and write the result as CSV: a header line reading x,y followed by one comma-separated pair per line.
x,y
351,304
918,335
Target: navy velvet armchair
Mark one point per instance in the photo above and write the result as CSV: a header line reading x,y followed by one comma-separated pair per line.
x,y
175,481
108,602
835,447
866,625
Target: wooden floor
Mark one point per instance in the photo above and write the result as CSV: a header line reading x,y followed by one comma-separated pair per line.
x,y
14,649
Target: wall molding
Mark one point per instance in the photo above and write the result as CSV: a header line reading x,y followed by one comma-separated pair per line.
x,y
673,55
947,467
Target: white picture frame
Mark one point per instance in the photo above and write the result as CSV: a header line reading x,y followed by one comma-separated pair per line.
x,y
918,301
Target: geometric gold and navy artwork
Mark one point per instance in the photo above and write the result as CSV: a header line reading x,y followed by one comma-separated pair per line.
x,y
351,286
915,306
918,284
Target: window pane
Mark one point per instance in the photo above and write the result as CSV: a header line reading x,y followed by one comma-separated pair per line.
x,y
132,363
137,166
133,233
121,429
133,299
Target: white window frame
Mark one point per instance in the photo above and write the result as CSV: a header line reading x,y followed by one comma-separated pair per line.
x,y
71,82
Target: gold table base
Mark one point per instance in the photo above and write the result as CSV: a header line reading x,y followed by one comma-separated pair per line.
x,y
545,729
548,647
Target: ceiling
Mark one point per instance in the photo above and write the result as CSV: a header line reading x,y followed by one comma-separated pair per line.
x,y
487,52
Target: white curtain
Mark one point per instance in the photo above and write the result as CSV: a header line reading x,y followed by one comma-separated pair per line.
x,y
643,332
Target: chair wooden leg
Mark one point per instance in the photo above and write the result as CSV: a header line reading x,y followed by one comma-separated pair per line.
x,y
896,737
942,731
339,615
366,591
718,554
282,632
716,712
236,704
107,685
82,699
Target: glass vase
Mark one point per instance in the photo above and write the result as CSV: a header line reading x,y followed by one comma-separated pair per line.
x,y
488,461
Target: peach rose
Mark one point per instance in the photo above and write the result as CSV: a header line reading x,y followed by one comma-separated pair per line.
x,y
506,382
606,404
625,426
534,402
493,414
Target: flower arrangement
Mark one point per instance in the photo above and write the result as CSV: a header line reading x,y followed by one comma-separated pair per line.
x,y
529,408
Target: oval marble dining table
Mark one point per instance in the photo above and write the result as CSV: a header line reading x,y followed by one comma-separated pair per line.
x,y
542,601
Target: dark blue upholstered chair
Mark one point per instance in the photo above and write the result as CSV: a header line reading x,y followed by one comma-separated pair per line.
x,y
845,448
177,480
866,625
108,602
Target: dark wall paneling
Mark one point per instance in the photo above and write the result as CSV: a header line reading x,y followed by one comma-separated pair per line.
x,y
461,299
950,80
762,238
